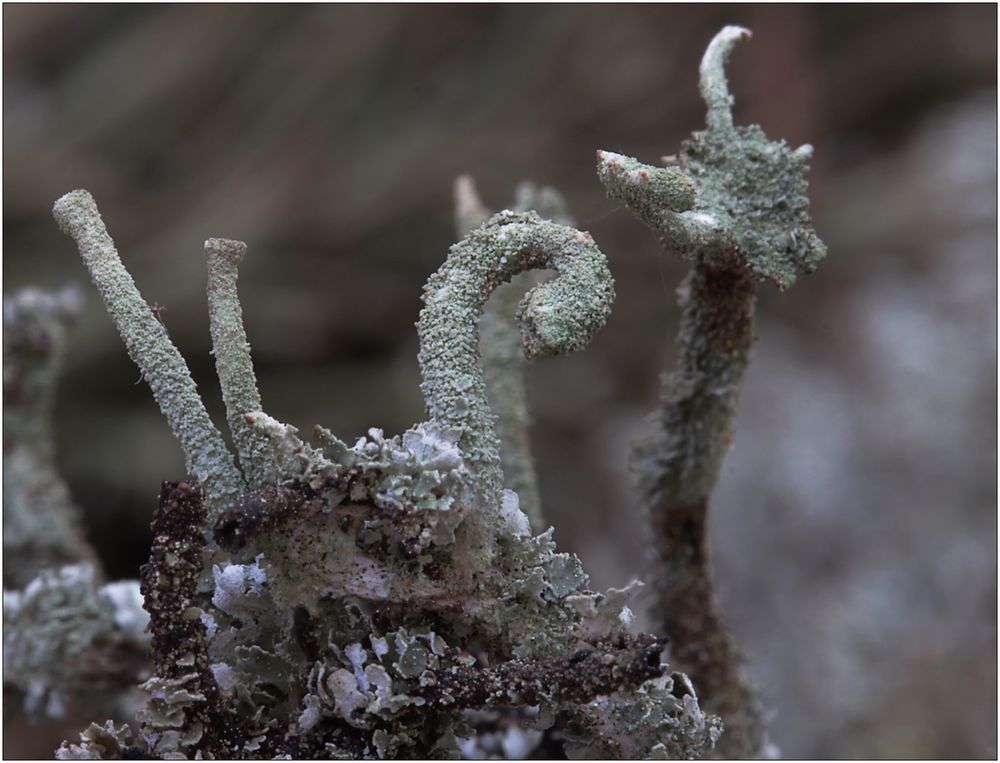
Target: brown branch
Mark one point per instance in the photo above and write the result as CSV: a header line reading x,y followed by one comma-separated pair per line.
x,y
591,671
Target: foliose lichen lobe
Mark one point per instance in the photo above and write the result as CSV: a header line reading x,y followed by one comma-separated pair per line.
x,y
754,193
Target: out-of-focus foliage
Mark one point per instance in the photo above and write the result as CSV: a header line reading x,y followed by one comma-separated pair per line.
x,y
854,527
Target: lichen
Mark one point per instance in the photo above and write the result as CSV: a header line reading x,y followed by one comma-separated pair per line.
x,y
107,742
731,198
67,640
232,360
736,205
389,598
556,317
362,599
501,344
206,456
42,527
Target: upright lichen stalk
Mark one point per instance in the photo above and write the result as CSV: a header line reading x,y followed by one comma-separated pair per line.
x,y
736,205
205,452
232,359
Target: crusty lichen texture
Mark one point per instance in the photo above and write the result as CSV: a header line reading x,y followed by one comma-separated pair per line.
x,y
502,346
163,368
736,205
387,598
232,359
556,317
731,198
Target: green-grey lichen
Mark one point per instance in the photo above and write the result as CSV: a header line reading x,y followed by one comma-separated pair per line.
x,y
365,598
67,641
107,742
205,452
503,361
42,528
368,600
659,721
749,209
735,204
232,359
556,317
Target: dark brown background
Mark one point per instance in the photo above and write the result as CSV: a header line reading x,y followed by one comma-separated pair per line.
x,y
855,525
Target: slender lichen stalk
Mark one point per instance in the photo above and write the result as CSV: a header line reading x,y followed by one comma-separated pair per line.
x,y
736,204
677,471
712,78
556,317
504,364
162,366
233,362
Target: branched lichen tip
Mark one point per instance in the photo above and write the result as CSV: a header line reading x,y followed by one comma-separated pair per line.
x,y
714,88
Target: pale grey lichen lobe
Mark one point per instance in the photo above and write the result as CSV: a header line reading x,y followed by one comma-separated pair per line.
x,y
206,456
750,209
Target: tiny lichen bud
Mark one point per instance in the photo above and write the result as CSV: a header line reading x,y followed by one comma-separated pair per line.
x,y
714,88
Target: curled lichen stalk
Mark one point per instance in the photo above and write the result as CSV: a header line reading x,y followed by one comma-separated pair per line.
x,y
232,359
555,317
504,364
162,366
736,205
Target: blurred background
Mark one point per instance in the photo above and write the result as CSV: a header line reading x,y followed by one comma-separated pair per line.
x,y
855,526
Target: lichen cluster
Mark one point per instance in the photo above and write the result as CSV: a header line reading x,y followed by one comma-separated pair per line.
x,y
736,205
362,600
66,638
391,598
